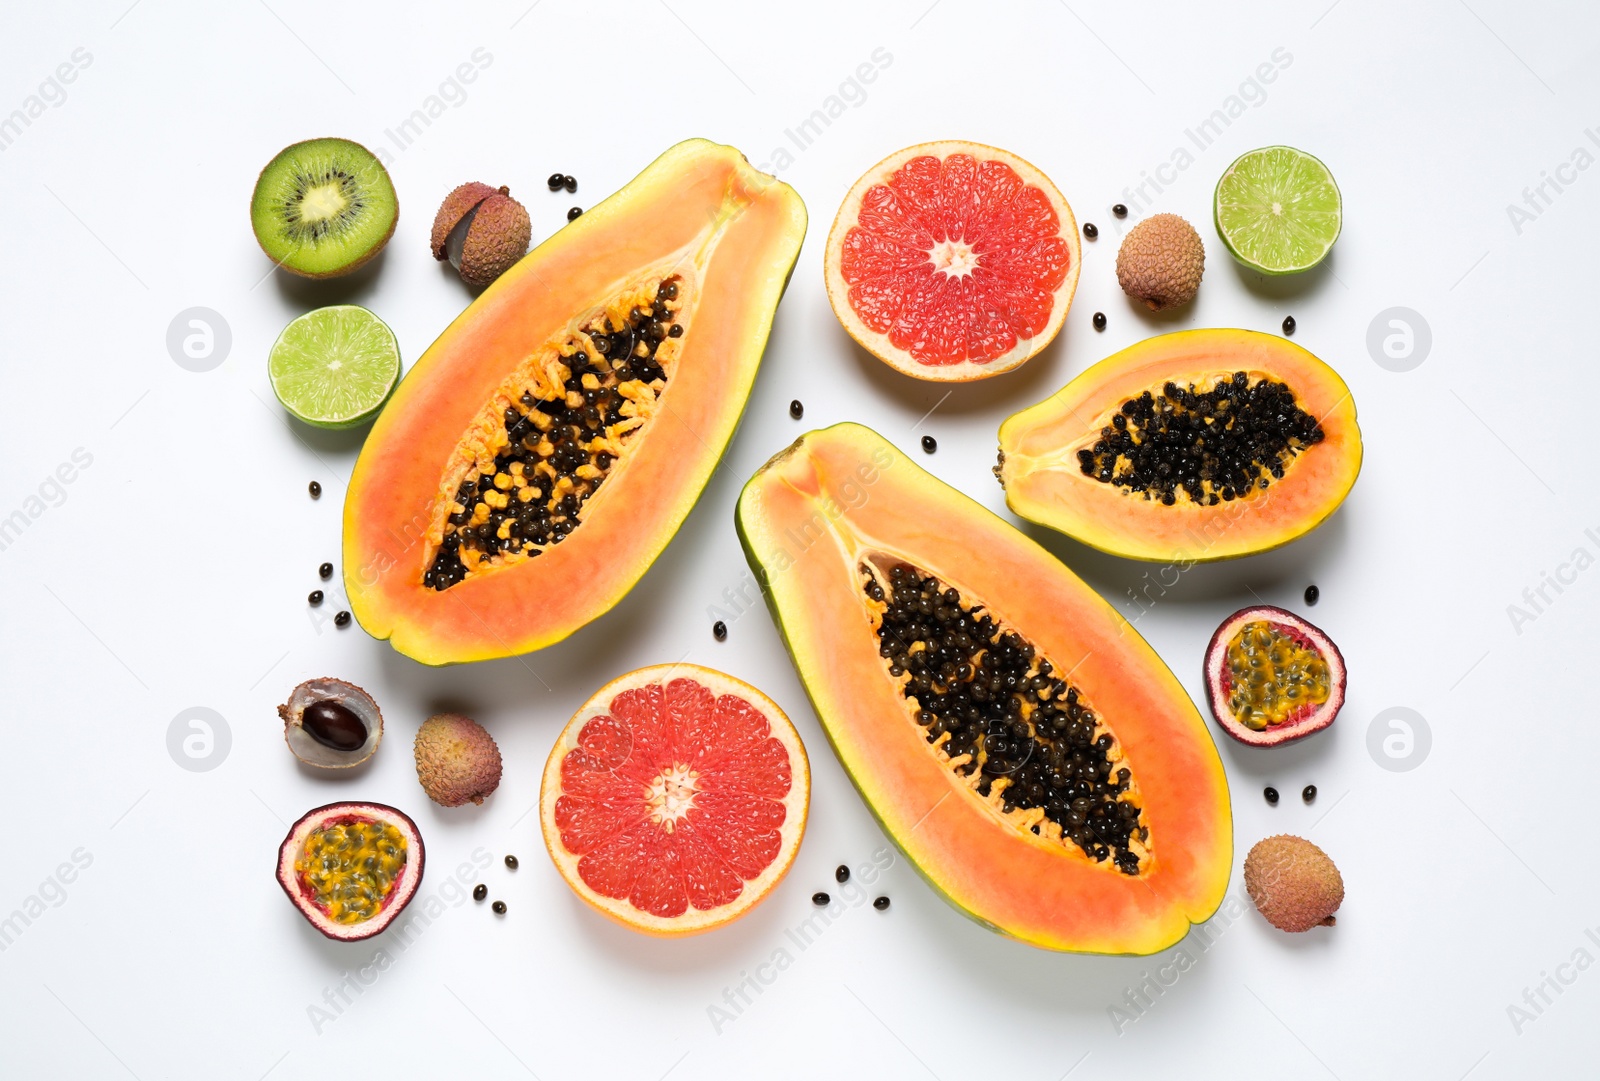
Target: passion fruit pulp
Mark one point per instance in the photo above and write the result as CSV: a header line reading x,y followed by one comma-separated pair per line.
x,y
351,868
1272,677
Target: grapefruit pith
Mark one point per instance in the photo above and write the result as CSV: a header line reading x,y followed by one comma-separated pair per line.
x,y
675,799
953,261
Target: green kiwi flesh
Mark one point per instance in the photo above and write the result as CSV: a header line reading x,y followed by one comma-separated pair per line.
x,y
322,208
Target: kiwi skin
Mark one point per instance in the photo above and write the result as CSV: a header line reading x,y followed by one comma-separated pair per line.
x,y
360,261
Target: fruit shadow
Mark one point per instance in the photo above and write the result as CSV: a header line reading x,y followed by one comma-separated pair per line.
x,y
1280,288
357,287
1040,376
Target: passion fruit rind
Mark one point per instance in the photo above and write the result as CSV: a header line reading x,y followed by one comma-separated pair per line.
x,y
312,746
394,900
1324,690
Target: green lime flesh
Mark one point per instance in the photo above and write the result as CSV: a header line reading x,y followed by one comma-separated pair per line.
x,y
1278,210
322,208
335,367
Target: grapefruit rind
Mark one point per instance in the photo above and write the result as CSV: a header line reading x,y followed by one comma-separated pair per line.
x,y
879,344
797,803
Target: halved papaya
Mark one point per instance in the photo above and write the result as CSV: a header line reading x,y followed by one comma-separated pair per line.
x,y
542,453
1194,446
1014,735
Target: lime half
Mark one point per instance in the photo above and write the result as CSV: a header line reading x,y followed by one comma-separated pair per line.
x,y
1278,210
335,367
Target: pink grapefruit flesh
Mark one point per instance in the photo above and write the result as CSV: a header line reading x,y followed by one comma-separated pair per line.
x,y
675,799
953,261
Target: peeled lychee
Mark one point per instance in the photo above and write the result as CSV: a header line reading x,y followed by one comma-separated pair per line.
x,y
1161,261
457,760
1293,883
482,231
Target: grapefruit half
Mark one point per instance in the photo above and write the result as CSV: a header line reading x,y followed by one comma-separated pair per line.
x,y
675,799
953,261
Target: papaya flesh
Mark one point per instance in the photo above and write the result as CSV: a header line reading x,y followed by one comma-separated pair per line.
x,y
1013,734
542,453
1194,446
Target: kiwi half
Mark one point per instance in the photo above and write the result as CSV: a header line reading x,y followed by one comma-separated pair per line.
x,y
323,207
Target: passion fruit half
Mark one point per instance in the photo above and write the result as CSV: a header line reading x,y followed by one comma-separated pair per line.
x,y
331,724
351,868
1272,677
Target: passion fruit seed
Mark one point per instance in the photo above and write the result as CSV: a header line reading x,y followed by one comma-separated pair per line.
x,y
325,571
719,631
1090,230
315,489
314,598
820,899
479,892
880,903
566,420
1288,326
349,868
929,444
333,725
1271,794
1099,320
1312,594
1309,793
1273,676
499,908
841,873
1022,738
1208,446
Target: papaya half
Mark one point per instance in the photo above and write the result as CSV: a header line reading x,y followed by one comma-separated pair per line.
x,y
1194,446
1013,734
542,453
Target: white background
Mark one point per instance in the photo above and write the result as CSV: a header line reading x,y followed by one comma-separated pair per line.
x,y
173,572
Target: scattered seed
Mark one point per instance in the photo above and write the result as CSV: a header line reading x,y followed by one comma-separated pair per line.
x,y
1119,210
719,631
556,182
1091,230
1312,594
880,903
1288,326
1271,794
315,489
342,619
314,598
820,899
841,873
929,444
572,214
325,571
511,862
479,892
796,410
499,908
1309,793
571,184
1099,320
